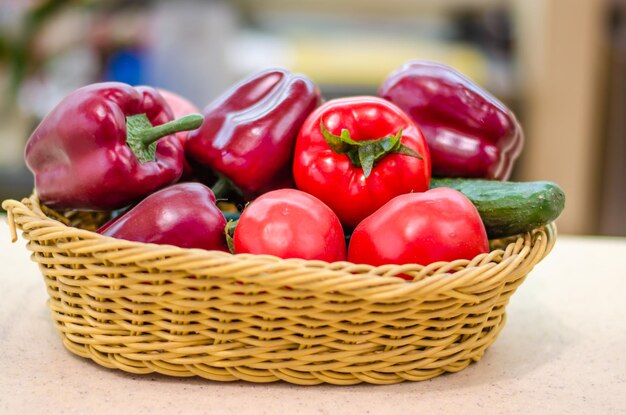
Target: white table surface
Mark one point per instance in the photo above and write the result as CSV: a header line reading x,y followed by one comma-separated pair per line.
x,y
562,351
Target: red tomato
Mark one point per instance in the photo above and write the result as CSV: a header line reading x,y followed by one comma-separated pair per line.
x,y
338,175
180,107
420,228
289,223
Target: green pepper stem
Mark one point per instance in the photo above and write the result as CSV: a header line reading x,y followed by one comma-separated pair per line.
x,y
186,123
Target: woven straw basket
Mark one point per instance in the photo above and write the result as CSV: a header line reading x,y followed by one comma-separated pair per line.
x,y
146,308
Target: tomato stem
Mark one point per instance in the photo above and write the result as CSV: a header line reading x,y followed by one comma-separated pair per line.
x,y
366,153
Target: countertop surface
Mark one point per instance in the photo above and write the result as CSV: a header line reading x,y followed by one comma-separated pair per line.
x,y
562,351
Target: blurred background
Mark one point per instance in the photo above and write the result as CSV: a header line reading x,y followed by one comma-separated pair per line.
x,y
559,64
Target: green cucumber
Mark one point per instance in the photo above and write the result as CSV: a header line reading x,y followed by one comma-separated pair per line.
x,y
509,208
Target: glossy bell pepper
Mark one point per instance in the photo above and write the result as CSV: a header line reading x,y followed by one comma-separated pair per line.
x,y
183,215
105,146
250,131
469,132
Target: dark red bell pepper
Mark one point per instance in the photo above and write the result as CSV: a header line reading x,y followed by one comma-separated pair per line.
x,y
469,132
250,131
183,215
98,149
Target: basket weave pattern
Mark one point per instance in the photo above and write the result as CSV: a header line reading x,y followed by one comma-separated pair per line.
x,y
146,308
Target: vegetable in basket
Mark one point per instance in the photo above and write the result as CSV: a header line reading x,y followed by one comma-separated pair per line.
x,y
105,146
469,132
289,223
250,131
355,154
421,228
183,215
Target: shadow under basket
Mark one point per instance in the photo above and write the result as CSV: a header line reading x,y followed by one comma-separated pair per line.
x,y
145,308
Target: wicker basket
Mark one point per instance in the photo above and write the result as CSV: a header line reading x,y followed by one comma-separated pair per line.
x,y
146,308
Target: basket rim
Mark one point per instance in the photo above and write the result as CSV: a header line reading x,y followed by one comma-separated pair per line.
x,y
521,251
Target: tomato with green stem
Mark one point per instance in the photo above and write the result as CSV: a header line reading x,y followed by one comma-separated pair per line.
x,y
355,154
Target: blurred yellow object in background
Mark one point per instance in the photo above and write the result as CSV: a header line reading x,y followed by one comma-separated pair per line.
x,y
367,60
